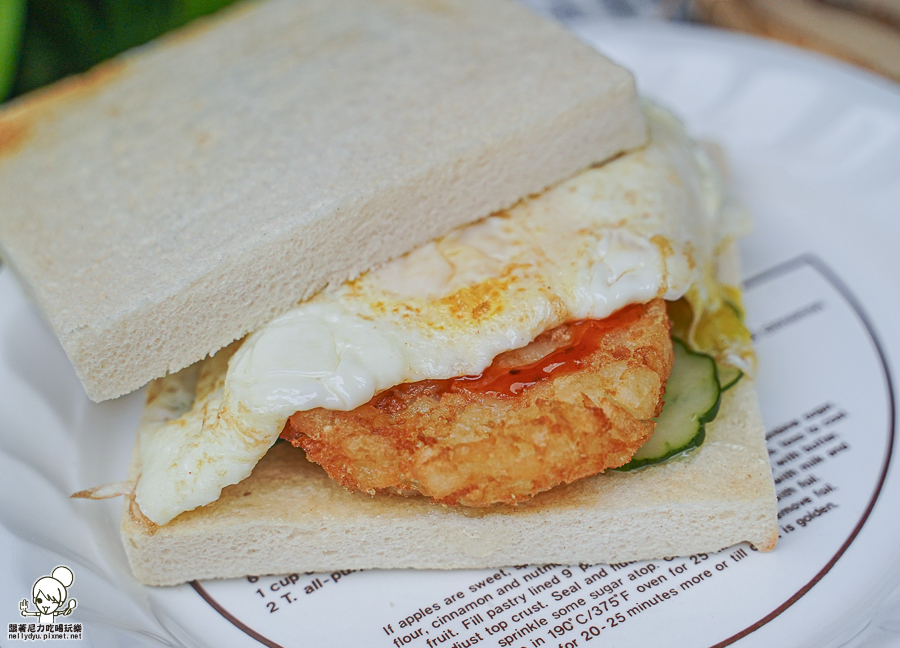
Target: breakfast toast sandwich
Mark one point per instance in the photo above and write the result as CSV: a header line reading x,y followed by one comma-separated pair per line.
x,y
445,266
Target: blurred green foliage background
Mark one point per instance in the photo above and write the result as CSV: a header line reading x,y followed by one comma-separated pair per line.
x,y
44,40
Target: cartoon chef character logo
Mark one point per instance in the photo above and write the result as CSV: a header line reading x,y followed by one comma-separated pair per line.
x,y
49,593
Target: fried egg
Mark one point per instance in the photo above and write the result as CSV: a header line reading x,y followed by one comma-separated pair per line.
x,y
647,224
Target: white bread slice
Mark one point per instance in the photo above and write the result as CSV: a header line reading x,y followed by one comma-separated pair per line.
x,y
166,203
289,516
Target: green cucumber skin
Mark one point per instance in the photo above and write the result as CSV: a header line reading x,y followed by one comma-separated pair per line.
x,y
699,436
725,386
695,442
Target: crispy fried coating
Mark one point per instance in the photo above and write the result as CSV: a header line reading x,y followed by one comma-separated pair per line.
x,y
475,444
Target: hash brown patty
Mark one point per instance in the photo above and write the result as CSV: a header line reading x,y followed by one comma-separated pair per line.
x,y
477,447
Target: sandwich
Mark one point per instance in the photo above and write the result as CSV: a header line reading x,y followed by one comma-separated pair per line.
x,y
489,340
492,463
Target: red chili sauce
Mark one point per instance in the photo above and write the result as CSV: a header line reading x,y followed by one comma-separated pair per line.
x,y
587,336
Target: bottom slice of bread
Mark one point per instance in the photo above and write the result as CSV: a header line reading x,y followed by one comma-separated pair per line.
x,y
289,516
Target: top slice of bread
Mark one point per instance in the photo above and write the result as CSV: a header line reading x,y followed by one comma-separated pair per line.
x,y
166,203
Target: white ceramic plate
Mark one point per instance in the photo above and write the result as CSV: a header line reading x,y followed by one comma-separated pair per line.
x,y
815,147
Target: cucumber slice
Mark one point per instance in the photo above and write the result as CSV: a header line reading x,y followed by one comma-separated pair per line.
x,y
729,376
692,400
